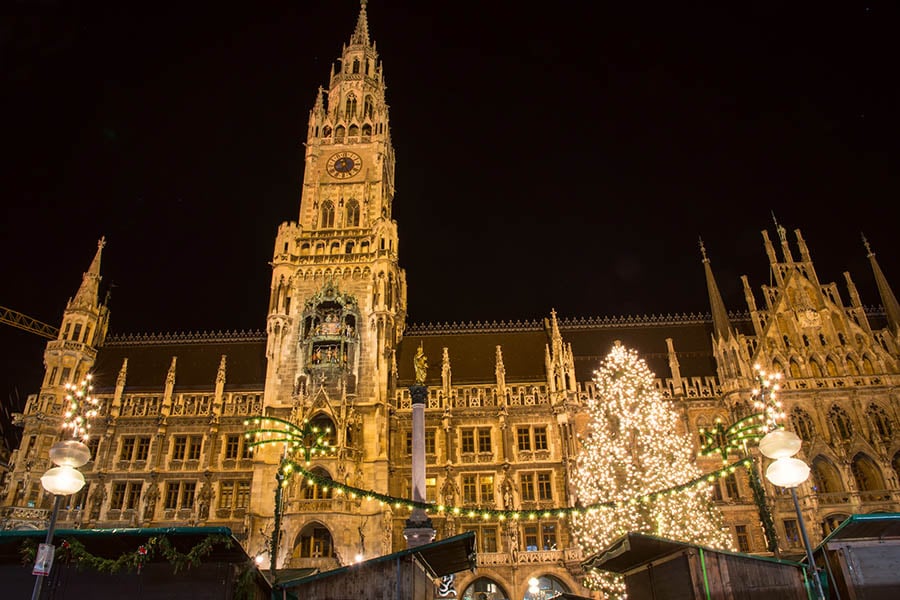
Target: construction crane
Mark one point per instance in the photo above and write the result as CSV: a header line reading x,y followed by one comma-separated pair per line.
x,y
17,319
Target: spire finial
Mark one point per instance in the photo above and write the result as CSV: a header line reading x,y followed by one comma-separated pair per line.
x,y
782,232
866,244
702,249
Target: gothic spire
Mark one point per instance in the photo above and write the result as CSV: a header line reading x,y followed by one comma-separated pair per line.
x,y
721,324
88,293
888,299
361,33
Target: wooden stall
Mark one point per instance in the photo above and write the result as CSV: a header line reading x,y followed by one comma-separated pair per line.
x,y
862,558
110,563
660,569
411,574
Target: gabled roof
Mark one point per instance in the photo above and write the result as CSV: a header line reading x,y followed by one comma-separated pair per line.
x,y
443,557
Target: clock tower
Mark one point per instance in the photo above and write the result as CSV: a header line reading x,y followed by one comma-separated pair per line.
x,y
337,309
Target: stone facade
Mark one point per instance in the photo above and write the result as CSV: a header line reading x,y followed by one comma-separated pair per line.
x,y
504,399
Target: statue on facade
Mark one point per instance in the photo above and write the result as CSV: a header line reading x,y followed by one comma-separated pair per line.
x,y
421,363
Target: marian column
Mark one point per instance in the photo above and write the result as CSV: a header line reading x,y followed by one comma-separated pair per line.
x,y
419,529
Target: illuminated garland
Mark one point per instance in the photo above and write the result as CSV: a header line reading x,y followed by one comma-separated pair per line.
x,y
71,550
326,483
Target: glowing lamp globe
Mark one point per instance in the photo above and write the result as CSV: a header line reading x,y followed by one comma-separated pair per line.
x,y
70,453
63,481
780,444
787,472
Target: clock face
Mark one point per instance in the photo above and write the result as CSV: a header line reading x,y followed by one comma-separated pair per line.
x,y
343,165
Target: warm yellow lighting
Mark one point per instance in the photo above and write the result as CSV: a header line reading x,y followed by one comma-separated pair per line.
x,y
63,481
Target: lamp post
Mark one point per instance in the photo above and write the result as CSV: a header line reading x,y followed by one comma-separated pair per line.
x,y
63,480
788,472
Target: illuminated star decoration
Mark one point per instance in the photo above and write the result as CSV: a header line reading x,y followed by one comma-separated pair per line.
x,y
309,439
81,407
721,440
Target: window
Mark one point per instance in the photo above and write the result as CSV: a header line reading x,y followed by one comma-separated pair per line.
x,y
234,494
53,373
478,489
482,435
536,486
134,448
327,221
530,438
485,537
840,422
523,437
194,445
232,446
430,444
179,444
133,495
186,447
142,451
540,536
484,440
468,441
743,540
180,494
791,532
731,487
117,498
540,438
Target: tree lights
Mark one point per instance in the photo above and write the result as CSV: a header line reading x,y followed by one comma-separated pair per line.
x,y
632,469
80,408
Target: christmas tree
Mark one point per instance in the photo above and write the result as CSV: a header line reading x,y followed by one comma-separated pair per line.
x,y
630,451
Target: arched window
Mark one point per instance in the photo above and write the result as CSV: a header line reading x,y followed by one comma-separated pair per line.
x,y
816,369
355,66
851,366
544,586
484,588
867,366
840,422
831,522
350,107
339,133
326,131
795,369
324,425
826,478
805,340
327,219
315,491
802,424
831,367
314,541
368,107
354,131
352,213
367,130
881,423
866,474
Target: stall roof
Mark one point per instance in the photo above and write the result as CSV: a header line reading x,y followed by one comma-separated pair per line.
x,y
443,557
633,550
111,543
875,526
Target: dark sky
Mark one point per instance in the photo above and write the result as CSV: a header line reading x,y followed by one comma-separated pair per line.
x,y
566,159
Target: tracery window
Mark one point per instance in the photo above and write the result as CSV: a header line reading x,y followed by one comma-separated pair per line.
x,y
881,423
327,220
353,213
866,474
350,107
802,424
840,422
826,478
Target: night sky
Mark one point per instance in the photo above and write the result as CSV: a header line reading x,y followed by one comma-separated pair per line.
x,y
566,160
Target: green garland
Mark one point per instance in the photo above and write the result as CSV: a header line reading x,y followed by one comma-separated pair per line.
x,y
765,515
70,549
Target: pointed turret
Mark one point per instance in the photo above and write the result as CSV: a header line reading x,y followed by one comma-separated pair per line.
x,y
361,33
888,299
721,325
88,294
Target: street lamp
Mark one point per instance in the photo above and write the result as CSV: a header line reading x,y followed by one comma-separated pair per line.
x,y
62,480
789,472
65,479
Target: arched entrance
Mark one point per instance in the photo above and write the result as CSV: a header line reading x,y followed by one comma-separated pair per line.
x,y
484,588
544,587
